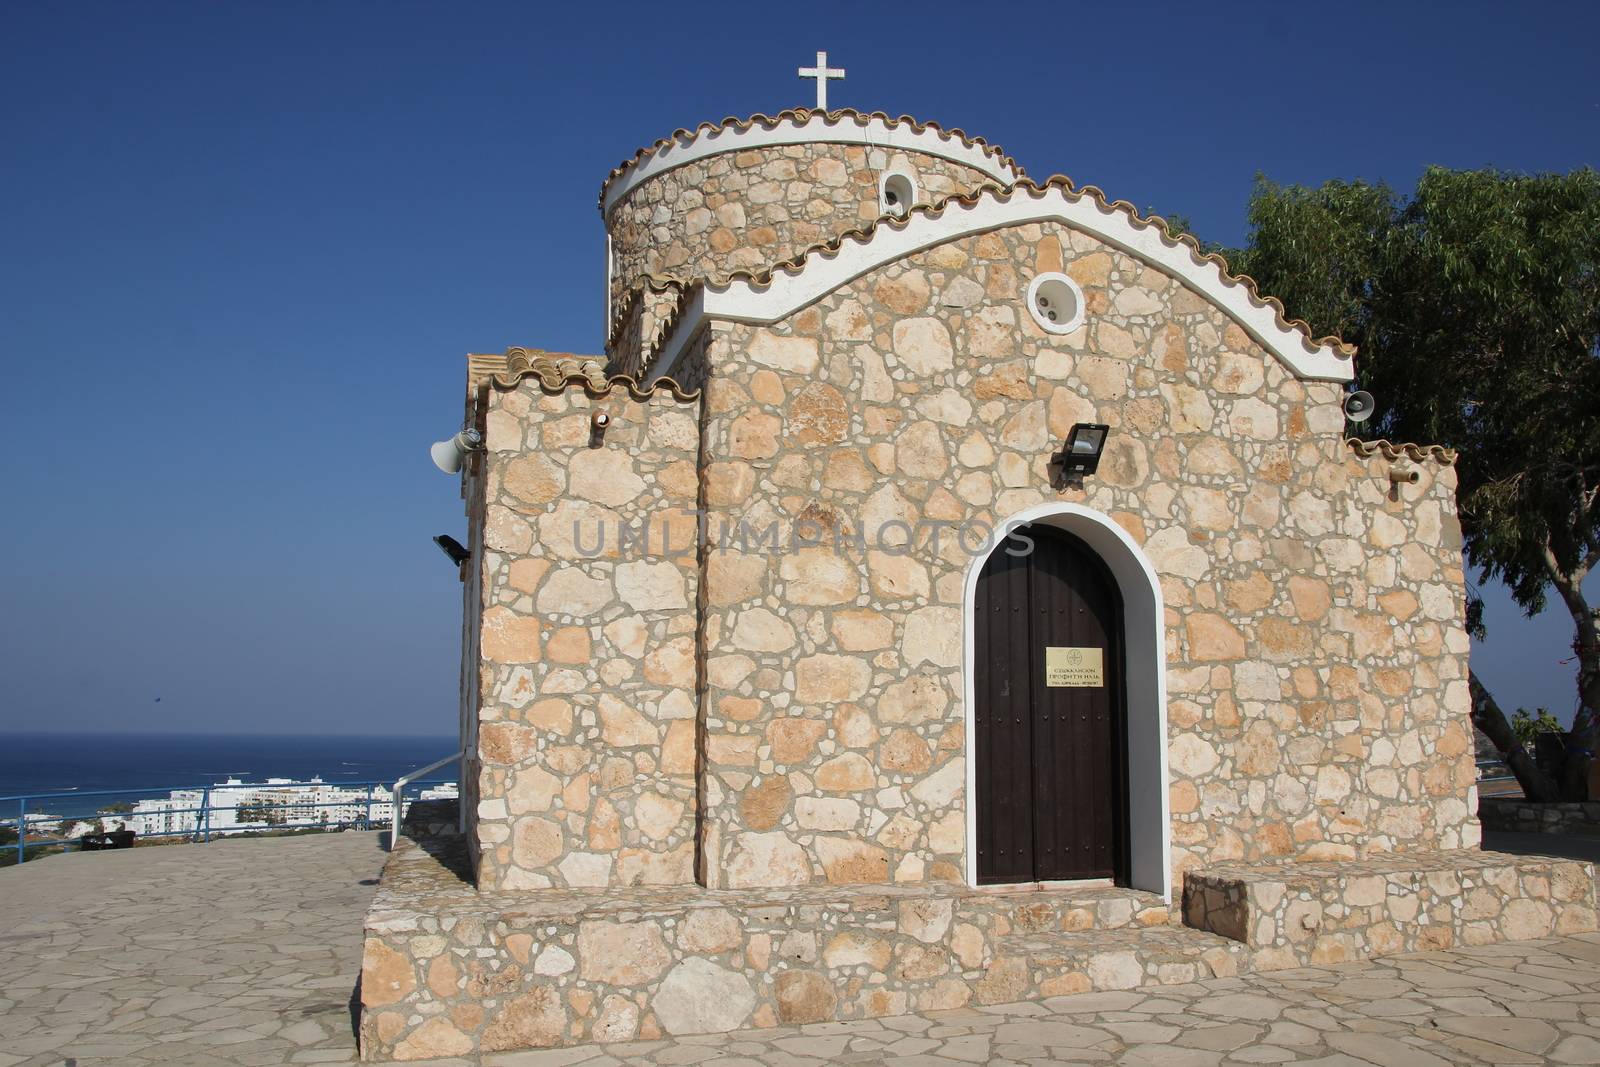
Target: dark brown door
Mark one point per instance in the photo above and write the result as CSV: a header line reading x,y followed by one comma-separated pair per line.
x,y
1049,713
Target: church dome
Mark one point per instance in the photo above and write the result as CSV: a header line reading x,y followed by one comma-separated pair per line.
x,y
745,194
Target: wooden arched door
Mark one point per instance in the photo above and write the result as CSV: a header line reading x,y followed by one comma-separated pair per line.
x,y
1049,716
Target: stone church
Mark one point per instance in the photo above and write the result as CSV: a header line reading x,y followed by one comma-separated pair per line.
x,y
947,587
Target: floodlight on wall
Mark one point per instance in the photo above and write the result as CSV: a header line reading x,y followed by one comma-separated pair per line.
x,y
1080,455
449,454
454,549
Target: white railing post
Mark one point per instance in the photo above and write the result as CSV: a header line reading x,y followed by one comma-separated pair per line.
x,y
399,788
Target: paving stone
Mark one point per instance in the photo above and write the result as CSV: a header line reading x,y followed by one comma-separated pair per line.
x,y
1526,1035
1245,1006
1579,1048
1384,1051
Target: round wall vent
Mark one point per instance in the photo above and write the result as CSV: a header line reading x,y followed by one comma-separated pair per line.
x,y
897,193
1056,302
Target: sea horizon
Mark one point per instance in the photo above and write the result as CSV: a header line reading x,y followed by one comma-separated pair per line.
x,y
133,765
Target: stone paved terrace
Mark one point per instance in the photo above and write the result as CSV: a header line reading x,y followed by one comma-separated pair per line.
x,y
246,952
236,952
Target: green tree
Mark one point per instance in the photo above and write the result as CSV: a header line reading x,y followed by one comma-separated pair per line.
x,y
1526,727
1475,306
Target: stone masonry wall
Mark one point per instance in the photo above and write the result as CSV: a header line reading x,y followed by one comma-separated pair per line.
x,y
1315,652
1524,816
586,737
750,209
1302,914
447,971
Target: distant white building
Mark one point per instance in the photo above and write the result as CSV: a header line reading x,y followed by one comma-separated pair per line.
x,y
236,806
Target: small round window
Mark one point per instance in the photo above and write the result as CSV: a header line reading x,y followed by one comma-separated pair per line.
x,y
1056,302
897,193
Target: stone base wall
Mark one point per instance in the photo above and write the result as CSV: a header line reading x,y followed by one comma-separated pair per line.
x,y
426,820
1523,816
1291,915
448,971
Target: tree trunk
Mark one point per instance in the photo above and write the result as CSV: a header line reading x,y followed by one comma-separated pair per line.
x,y
1488,717
1585,733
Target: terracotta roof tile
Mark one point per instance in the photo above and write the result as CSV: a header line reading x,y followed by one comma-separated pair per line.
x,y
658,283
1415,453
556,371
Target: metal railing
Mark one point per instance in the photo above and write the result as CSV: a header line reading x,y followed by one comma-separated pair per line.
x,y
1494,765
205,819
399,794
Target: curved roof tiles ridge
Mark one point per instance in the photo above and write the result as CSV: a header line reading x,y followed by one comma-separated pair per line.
x,y
557,371
1390,451
798,117
863,234
761,280
633,295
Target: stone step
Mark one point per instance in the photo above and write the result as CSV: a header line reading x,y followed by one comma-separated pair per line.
x,y
1065,909
428,874
1061,964
1296,914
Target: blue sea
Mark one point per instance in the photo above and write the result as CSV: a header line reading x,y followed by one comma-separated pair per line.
x,y
137,766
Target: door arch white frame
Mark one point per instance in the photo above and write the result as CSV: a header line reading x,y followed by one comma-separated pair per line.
x,y
1149,817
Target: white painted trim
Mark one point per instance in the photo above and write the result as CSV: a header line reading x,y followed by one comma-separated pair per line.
x,y
1078,300
611,263
1143,616
875,133
822,272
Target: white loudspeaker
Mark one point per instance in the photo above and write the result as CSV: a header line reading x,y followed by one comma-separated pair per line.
x,y
449,454
446,456
1359,405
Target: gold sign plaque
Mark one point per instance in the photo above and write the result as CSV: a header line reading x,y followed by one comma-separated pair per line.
x,y
1074,668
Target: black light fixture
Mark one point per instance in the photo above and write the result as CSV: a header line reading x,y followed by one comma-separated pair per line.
x,y
454,549
1081,454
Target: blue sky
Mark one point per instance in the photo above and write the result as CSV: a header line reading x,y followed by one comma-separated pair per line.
x,y
244,248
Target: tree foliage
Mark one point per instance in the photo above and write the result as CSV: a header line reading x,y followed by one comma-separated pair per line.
x,y
1529,725
1475,305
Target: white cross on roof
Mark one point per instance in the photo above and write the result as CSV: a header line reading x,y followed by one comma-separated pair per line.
x,y
822,72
